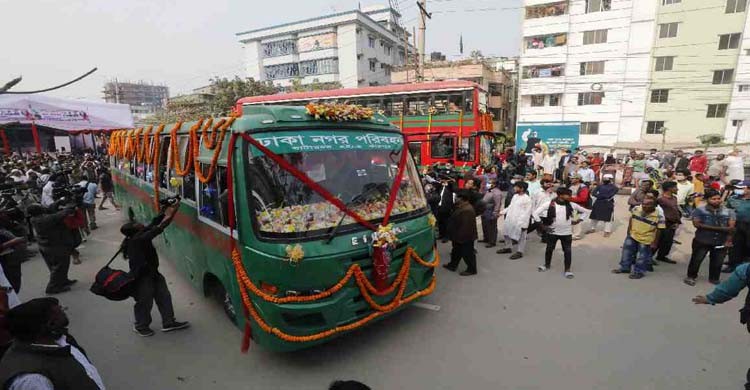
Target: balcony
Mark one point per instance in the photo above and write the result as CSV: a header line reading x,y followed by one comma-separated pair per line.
x,y
547,10
543,71
545,41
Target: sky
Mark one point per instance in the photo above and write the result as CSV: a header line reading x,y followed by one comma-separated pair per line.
x,y
184,43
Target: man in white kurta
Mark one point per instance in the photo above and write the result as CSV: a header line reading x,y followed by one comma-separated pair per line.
x,y
516,224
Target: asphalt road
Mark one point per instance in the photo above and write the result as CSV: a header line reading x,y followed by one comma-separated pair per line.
x,y
510,327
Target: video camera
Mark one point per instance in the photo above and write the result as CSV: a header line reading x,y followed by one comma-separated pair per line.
x,y
68,194
172,200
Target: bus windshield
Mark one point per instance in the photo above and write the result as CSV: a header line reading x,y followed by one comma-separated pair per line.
x,y
284,207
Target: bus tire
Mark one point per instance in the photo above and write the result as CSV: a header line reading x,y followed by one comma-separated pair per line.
x,y
216,291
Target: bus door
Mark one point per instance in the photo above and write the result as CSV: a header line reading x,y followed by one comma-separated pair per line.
x,y
415,148
466,155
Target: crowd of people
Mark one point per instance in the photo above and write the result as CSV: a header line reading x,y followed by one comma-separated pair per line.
x,y
51,200
564,195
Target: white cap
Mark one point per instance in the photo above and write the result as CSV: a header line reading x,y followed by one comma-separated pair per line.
x,y
608,176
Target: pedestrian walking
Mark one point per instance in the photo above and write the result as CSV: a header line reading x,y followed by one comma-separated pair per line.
x,y
672,219
740,203
726,291
44,356
108,189
150,285
714,224
516,224
603,209
494,201
56,244
557,219
89,200
580,197
462,230
641,240
445,206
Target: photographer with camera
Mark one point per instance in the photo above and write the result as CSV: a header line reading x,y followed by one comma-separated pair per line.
x,y
56,243
89,200
150,284
48,190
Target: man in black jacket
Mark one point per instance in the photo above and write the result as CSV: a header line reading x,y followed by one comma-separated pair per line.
x,y
150,285
44,356
56,244
462,229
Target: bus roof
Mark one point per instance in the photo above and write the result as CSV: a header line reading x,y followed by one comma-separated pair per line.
x,y
365,91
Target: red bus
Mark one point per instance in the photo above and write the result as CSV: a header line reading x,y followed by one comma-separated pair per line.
x,y
443,120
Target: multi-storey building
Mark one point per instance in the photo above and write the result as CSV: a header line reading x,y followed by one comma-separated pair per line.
x,y
629,70
144,98
355,48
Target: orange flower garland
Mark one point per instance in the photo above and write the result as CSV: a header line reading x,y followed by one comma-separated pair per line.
x,y
142,150
205,178
150,155
179,169
209,140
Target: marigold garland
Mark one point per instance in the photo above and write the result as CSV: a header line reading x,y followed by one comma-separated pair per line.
x,y
142,150
179,169
362,282
205,178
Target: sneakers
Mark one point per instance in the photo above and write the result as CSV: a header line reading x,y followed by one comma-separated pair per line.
x,y
71,282
542,268
715,282
516,256
618,271
143,332
175,326
103,208
569,275
689,281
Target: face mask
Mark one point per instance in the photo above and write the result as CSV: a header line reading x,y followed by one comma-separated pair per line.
x,y
739,192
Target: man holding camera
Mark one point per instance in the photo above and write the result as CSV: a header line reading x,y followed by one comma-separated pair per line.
x,y
56,244
150,285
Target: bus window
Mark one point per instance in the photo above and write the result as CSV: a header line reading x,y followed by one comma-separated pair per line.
x,y
442,147
375,104
468,150
213,199
469,101
415,148
394,106
188,186
418,105
448,104
485,150
163,159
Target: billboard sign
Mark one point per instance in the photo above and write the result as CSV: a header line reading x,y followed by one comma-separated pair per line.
x,y
553,135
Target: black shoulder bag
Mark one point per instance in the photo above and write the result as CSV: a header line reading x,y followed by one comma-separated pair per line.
x,y
113,284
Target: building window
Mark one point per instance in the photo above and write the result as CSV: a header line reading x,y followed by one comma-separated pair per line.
x,y
729,41
541,71
734,6
279,48
594,36
372,65
716,111
495,89
542,41
598,5
387,50
322,66
537,100
744,87
663,63
590,98
546,10
668,2
589,127
371,41
659,96
654,127
592,67
281,71
555,99
668,30
723,76
736,122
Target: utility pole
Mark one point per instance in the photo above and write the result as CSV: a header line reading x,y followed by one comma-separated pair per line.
x,y
663,139
423,16
737,134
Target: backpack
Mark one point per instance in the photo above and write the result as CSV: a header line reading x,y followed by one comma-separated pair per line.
x,y
113,284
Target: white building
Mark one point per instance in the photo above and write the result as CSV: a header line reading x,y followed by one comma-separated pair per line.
x,y
355,48
582,62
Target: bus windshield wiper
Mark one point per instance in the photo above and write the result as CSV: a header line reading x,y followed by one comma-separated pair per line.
x,y
359,198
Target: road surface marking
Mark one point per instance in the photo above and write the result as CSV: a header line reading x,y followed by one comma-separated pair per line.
x,y
427,306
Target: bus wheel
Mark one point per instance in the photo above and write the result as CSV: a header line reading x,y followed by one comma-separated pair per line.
x,y
222,297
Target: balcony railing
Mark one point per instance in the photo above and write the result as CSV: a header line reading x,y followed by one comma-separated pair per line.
x,y
544,41
543,71
545,10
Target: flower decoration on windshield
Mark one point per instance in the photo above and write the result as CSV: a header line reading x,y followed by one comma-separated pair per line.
x,y
385,236
338,112
431,220
294,254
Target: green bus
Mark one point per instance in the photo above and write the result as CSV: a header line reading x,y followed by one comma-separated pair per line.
x,y
302,266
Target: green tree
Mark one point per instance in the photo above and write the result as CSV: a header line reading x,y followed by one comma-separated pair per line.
x,y
316,85
223,95
710,139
